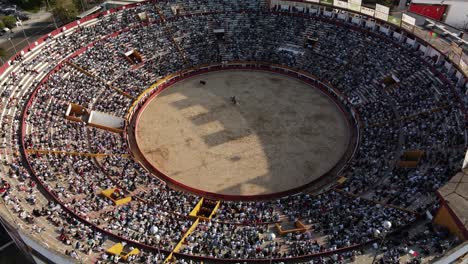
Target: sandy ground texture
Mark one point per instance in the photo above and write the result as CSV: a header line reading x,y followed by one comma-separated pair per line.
x,y
282,133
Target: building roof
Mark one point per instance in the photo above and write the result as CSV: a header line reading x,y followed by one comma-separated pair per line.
x,y
455,194
12,247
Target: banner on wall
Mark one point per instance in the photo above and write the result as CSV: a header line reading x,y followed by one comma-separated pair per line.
x,y
354,5
367,11
408,22
342,4
381,12
408,19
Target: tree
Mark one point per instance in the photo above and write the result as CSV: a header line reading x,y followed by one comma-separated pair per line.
x,y
2,25
9,21
30,5
65,13
80,5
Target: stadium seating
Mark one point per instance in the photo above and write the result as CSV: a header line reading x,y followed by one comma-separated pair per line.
x,y
423,111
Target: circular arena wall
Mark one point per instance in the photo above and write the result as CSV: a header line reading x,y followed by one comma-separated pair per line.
x,y
149,153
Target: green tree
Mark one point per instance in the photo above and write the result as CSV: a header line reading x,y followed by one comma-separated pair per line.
x,y
30,5
2,25
81,5
9,21
65,13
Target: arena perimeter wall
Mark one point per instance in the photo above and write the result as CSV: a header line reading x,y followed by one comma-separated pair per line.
x,y
337,97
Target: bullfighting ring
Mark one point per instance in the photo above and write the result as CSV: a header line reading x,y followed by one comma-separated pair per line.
x,y
281,133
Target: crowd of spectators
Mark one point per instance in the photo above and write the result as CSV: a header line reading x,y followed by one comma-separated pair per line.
x,y
419,112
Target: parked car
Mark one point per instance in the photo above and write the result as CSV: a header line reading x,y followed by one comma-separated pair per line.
x,y
9,10
4,31
21,16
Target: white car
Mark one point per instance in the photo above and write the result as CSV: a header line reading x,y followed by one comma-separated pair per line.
x,y
4,30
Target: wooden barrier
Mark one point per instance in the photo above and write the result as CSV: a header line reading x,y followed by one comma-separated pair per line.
x,y
195,213
341,180
377,202
118,250
411,159
300,227
108,193
110,129
411,117
76,113
166,29
100,79
115,249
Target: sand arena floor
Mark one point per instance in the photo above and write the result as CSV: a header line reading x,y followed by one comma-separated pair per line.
x,y
282,134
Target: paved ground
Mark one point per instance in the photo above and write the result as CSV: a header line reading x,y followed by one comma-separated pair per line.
x,y
39,24
281,135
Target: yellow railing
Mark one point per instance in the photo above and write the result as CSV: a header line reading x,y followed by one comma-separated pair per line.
x,y
118,248
194,213
179,245
108,193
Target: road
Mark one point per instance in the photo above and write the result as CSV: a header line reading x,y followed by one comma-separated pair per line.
x,y
39,24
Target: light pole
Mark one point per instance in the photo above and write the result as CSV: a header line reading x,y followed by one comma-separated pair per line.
x,y
387,225
19,22
465,26
82,6
271,237
53,17
13,44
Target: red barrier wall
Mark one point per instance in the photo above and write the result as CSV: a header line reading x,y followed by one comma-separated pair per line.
x,y
352,122
432,11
